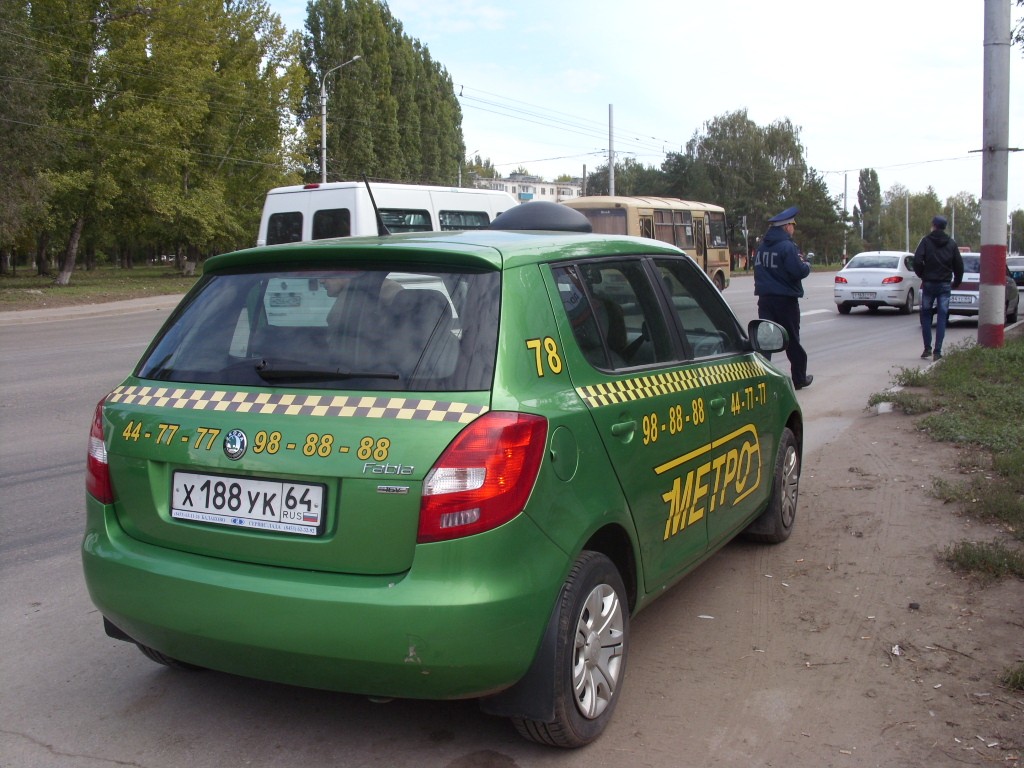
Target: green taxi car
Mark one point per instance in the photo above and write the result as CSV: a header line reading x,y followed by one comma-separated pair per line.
x,y
435,466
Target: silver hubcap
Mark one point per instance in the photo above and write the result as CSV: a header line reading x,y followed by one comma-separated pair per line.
x,y
790,485
597,656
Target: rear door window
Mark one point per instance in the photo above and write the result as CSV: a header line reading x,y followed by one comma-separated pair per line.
x,y
356,329
332,222
614,313
284,228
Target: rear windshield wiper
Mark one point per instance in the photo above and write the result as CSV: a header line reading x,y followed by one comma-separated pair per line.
x,y
268,372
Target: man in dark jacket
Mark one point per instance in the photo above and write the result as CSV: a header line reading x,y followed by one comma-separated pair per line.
x,y
938,263
779,270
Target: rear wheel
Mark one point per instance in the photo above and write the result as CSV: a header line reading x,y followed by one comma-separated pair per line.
x,y
844,308
592,639
776,522
908,305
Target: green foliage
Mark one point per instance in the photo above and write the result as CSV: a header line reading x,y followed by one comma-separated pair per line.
x,y
631,179
1013,677
161,140
974,398
988,560
392,114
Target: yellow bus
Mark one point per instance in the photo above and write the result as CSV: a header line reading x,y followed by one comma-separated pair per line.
x,y
697,228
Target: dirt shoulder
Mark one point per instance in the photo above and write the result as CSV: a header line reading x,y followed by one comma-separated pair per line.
x,y
852,644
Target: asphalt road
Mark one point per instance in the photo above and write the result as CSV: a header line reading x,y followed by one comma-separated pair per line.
x,y
71,697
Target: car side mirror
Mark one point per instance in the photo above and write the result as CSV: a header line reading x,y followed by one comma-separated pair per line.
x,y
767,336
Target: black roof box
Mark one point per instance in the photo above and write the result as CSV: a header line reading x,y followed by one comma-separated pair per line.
x,y
542,215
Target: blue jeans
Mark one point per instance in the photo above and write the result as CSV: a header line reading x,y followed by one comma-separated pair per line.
x,y
934,300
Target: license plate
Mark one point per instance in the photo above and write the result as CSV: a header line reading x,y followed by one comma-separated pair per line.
x,y
863,295
960,299
268,505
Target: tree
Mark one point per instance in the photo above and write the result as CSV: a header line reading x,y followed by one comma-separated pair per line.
x,y
162,139
1017,231
391,115
756,171
869,207
631,178
25,139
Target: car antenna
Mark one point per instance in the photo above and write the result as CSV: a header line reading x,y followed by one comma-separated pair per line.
x,y
381,226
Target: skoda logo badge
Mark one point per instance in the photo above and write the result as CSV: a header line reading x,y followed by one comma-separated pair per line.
x,y
235,444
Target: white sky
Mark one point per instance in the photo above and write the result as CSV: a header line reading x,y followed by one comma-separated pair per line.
x,y
893,85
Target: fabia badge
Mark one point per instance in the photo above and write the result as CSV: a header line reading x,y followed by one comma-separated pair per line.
x,y
235,444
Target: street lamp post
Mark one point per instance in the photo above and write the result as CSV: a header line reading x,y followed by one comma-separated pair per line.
x,y
323,117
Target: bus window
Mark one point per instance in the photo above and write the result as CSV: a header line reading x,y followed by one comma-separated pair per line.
x,y
284,228
663,227
331,222
716,223
647,226
450,220
683,221
606,221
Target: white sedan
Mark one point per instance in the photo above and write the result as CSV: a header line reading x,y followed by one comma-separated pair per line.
x,y
876,279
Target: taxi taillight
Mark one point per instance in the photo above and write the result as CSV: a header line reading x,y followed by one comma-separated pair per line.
x,y
97,472
484,477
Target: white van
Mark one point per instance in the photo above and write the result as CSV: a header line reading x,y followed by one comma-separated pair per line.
x,y
343,209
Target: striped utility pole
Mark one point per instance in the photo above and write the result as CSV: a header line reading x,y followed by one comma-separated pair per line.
x,y
994,172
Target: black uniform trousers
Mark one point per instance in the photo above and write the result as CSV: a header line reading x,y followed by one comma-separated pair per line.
x,y
785,310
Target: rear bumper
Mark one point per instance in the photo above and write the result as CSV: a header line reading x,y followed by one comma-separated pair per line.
x,y
880,298
466,620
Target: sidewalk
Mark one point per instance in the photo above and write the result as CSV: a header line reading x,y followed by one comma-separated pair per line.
x,y
127,307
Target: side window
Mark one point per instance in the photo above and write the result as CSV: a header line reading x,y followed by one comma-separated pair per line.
x,y
332,222
406,220
663,226
614,313
450,220
684,228
716,223
708,326
284,228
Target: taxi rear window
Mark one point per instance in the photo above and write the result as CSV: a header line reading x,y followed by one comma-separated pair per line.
x,y
357,329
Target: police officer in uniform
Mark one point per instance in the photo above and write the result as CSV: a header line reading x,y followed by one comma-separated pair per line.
x,y
779,269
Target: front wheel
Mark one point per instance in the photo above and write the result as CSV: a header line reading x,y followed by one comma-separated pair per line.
x,y
592,639
776,522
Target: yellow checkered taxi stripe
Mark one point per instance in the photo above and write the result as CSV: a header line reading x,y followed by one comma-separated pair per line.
x,y
656,385
265,403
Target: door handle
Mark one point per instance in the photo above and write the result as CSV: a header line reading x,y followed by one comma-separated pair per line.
x,y
717,405
624,430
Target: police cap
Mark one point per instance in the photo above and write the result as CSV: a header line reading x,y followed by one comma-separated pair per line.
x,y
788,216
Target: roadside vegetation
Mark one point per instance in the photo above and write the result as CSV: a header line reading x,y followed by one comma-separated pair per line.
x,y
974,398
28,290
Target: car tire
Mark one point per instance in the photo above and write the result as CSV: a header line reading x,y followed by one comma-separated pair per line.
x,y
1011,317
591,644
908,305
775,524
154,655
844,308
